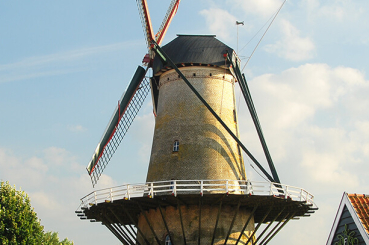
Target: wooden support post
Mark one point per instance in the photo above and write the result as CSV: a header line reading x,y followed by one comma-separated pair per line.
x,y
148,222
246,224
232,223
200,204
119,230
133,235
181,219
259,224
216,222
270,223
165,224
112,230
274,228
135,224
284,223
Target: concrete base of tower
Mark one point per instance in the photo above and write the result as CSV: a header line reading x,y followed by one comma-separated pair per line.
x,y
196,224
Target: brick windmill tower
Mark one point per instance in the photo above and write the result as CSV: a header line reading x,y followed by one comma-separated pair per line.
x,y
196,190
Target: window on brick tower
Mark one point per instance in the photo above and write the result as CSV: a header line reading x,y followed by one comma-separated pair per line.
x,y
167,240
176,146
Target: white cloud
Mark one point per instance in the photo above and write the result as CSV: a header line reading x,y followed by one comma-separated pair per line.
x,y
27,173
316,126
328,159
264,8
76,128
297,93
54,185
304,112
144,126
45,201
37,164
219,22
55,64
292,46
334,10
58,156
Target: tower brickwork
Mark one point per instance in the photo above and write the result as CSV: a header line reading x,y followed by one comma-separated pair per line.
x,y
190,219
204,149
190,144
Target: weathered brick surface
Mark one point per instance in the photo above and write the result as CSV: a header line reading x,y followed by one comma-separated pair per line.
x,y
206,150
191,225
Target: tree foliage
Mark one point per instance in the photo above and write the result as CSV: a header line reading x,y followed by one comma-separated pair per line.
x,y
18,221
51,238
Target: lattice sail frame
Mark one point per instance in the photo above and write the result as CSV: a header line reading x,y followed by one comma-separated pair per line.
x,y
120,130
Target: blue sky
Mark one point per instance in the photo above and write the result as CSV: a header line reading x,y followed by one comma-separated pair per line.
x,y
65,64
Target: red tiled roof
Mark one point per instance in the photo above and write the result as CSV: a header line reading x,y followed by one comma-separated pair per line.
x,y
361,206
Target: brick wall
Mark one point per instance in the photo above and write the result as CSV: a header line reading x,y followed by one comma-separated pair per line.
x,y
206,150
190,215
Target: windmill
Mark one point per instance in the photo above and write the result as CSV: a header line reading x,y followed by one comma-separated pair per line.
x,y
196,190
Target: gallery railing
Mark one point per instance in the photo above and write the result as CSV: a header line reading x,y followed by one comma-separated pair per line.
x,y
201,187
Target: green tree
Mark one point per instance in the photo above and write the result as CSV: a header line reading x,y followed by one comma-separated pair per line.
x,y
51,238
18,221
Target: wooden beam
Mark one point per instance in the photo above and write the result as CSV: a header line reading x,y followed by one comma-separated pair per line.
x,y
181,219
247,223
134,222
274,228
199,238
270,223
232,223
165,224
259,224
284,223
216,222
148,222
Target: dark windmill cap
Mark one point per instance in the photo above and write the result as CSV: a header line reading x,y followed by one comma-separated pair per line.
x,y
187,50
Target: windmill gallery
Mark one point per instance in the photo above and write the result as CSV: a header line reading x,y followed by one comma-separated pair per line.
x,y
196,189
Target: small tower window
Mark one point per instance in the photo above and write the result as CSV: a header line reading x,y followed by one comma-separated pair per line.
x,y
176,146
167,240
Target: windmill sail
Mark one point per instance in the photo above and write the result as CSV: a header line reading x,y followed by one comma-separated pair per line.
x,y
250,104
132,99
172,10
119,124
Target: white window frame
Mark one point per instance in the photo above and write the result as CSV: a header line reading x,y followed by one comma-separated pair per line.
x,y
167,240
176,146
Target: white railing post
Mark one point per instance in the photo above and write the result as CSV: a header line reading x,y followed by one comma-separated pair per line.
x,y
191,186
271,189
152,190
175,188
307,196
128,194
287,194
